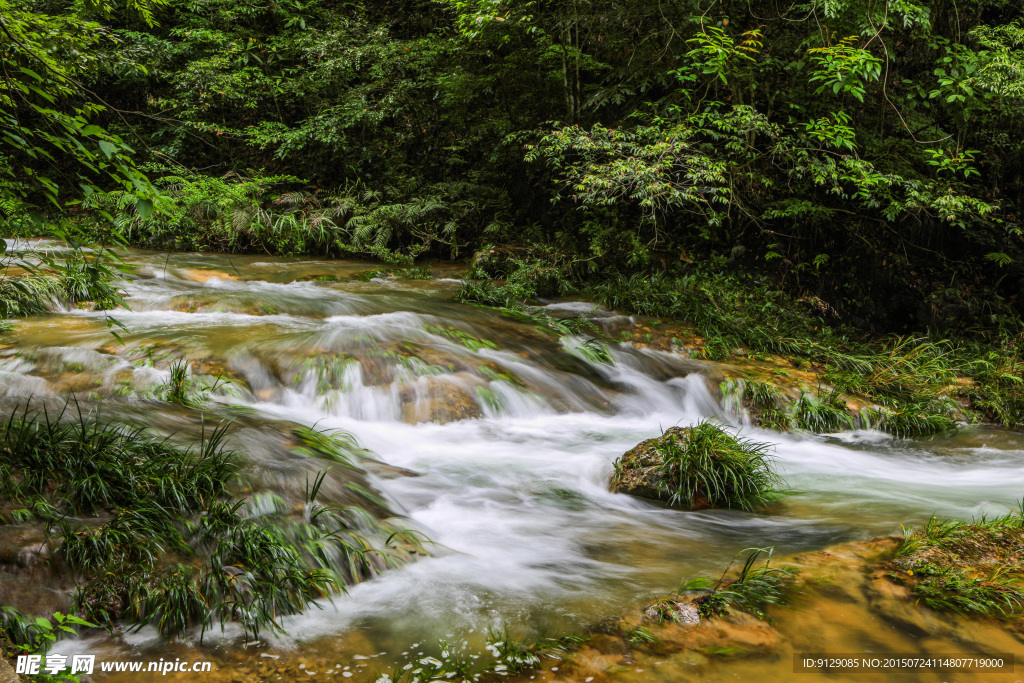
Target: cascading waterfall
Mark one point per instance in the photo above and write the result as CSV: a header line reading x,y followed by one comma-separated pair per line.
x,y
510,433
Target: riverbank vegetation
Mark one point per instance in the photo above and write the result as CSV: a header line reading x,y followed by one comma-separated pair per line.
x,y
864,160
158,534
973,569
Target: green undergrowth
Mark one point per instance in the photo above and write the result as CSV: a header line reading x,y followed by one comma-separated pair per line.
x,y
155,534
257,212
48,282
824,412
969,568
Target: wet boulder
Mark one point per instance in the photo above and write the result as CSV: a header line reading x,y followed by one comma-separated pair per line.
x,y
697,467
440,400
639,471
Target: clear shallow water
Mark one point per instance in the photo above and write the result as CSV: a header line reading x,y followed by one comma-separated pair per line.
x,y
512,485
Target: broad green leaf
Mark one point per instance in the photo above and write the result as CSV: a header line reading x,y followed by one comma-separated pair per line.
x,y
108,148
145,208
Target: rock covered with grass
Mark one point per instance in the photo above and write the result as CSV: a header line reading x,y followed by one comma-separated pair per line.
x,y
972,569
697,467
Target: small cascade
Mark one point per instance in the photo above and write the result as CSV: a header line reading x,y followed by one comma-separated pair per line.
x,y
494,437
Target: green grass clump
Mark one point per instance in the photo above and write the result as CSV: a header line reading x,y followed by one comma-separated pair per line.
x,y
463,338
709,467
901,368
907,420
89,278
521,656
21,296
178,388
336,445
79,277
952,590
998,391
762,395
641,637
765,403
821,414
184,388
753,590
522,276
968,568
86,465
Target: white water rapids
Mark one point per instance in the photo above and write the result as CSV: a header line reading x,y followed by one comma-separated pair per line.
x,y
515,493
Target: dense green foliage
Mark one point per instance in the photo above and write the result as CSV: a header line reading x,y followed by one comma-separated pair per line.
x,y
865,156
165,541
51,146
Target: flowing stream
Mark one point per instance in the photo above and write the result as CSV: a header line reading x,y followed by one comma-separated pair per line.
x,y
511,433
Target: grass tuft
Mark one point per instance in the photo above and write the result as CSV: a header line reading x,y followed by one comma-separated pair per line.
x,y
753,590
167,544
968,568
710,467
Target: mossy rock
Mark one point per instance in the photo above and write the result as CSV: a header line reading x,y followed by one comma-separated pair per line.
x,y
638,471
697,467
